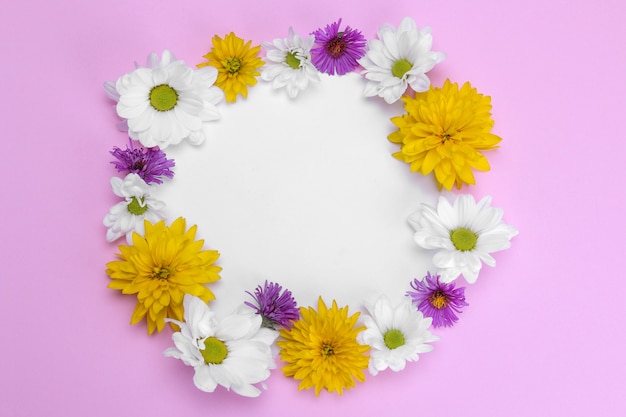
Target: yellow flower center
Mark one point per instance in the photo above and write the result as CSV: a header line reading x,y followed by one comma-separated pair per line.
x,y
160,273
336,46
393,339
438,300
215,351
232,65
136,207
163,97
292,61
327,350
401,67
463,239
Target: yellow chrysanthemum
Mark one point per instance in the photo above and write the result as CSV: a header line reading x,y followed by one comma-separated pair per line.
x,y
321,349
443,131
236,64
161,267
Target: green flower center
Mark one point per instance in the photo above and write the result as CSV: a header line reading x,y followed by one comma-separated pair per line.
x,y
232,65
438,300
267,322
327,350
160,273
163,97
292,61
394,339
463,239
336,46
215,351
136,207
401,67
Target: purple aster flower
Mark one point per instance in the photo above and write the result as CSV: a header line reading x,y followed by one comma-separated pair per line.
x,y
437,300
274,307
149,164
336,51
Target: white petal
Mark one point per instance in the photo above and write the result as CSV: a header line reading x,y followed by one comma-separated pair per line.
x,y
109,89
203,379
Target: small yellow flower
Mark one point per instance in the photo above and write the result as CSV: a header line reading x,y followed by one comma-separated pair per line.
x,y
236,63
443,131
161,267
321,349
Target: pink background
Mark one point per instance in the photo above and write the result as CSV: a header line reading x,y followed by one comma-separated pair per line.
x,y
544,334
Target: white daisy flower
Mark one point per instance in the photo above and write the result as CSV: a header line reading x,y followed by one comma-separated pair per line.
x,y
234,353
288,63
166,102
396,335
128,216
397,59
465,233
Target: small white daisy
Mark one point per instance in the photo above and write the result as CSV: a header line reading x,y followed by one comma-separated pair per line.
x,y
166,102
465,233
234,353
289,63
397,59
396,335
128,216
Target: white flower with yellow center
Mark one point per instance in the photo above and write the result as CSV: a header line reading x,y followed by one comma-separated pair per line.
x,y
234,353
464,233
289,63
396,335
128,216
397,59
167,102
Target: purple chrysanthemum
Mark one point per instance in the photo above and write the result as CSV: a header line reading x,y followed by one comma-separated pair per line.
x,y
437,300
274,307
149,164
336,51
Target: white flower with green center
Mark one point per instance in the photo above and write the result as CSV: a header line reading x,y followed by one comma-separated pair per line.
x,y
234,352
288,63
167,102
396,335
463,233
128,216
397,59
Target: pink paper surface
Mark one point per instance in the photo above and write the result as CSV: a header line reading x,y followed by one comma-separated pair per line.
x,y
544,333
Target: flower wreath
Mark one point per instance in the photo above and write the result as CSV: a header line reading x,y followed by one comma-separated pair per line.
x,y
443,131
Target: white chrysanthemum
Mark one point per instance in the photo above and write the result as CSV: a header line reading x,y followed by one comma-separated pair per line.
x,y
396,335
397,59
465,233
234,353
166,102
288,63
128,216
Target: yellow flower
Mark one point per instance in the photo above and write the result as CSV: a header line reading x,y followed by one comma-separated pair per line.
x,y
236,64
161,267
321,349
443,131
